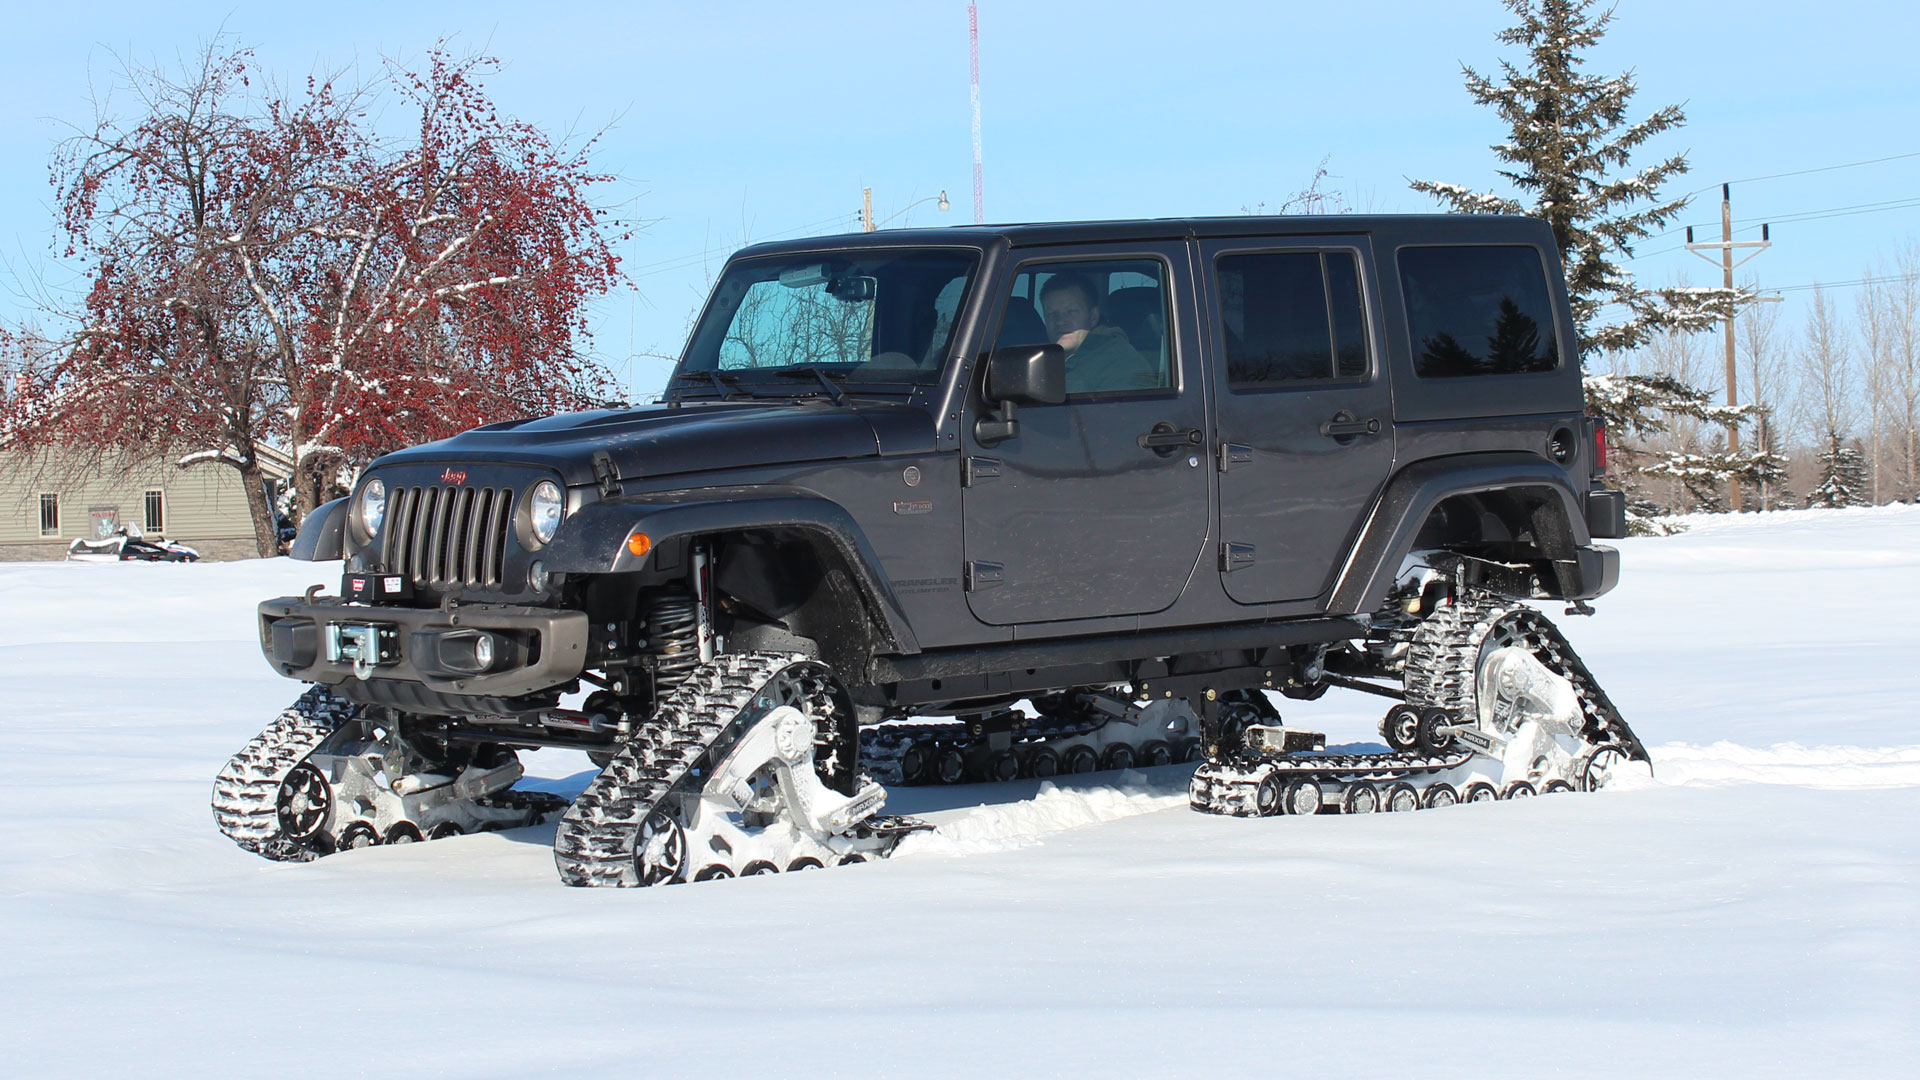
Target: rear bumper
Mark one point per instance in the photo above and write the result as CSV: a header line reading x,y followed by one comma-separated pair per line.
x,y
534,649
1598,571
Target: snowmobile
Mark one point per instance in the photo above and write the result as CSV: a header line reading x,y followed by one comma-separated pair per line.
x,y
129,544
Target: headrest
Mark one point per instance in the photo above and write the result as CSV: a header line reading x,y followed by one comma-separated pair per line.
x,y
1022,325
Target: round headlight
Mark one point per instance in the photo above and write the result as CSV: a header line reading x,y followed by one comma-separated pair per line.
x,y
373,505
545,507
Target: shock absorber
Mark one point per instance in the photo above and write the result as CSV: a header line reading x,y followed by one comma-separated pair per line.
x,y
673,638
680,631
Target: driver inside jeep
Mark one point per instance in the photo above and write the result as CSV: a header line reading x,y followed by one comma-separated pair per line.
x,y
1099,358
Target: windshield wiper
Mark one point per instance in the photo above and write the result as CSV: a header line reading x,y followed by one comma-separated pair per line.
x,y
728,385
815,371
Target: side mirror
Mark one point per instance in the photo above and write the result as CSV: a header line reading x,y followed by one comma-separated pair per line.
x,y
1028,375
1020,375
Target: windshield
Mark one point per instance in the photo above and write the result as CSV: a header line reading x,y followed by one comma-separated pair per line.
x,y
852,317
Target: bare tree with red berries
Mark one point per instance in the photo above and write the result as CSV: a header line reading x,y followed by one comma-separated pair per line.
x,y
268,270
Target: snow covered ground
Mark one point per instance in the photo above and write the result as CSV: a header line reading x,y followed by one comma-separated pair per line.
x,y
1756,911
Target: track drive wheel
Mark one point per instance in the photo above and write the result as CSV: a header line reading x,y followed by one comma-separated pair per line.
x,y
660,851
360,834
1439,795
1270,797
1361,798
305,803
1401,728
1434,736
1304,797
914,762
1401,798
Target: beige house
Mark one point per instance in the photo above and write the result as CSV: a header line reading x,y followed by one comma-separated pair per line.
x,y
47,501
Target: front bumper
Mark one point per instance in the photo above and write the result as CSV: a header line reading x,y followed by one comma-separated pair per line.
x,y
533,649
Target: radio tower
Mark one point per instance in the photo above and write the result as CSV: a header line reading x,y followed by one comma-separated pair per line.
x,y
973,55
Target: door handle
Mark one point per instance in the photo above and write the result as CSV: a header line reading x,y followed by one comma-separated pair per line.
x,y
1344,426
1165,436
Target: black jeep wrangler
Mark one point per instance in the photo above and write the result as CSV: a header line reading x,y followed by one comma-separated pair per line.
x,y
1086,492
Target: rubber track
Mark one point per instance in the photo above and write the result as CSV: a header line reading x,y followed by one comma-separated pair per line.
x,y
1227,787
882,748
595,841
1442,669
1443,664
246,793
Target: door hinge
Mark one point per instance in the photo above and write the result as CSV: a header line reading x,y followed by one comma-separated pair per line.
x,y
978,469
1232,454
982,576
1235,557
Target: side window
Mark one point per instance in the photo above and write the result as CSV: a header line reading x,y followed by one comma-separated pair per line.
x,y
1478,311
1291,316
49,514
1110,316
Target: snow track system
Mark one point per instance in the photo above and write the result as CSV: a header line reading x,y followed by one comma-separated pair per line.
x,y
730,779
750,764
1077,733
323,777
1497,706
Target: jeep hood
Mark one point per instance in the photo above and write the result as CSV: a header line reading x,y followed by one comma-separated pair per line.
x,y
697,437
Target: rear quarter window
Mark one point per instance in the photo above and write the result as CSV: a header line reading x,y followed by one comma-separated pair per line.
x,y
1478,310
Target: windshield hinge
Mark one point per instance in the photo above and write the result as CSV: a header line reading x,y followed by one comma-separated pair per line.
x,y
606,474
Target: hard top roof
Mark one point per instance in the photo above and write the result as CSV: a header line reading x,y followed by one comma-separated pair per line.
x,y
1423,227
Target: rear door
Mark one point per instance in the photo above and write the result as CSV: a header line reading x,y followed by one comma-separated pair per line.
x,y
1101,505
1305,429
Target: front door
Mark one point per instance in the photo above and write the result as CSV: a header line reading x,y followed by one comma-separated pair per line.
x,y
1100,505
1305,438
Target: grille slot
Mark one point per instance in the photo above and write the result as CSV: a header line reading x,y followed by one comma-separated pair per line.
x,y
450,535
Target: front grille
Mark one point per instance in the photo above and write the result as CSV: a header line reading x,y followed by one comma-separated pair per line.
x,y
450,535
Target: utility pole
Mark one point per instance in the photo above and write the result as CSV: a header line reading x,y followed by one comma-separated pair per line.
x,y
866,210
1725,248
973,58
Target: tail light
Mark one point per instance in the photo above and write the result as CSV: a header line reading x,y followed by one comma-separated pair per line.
x,y
1599,446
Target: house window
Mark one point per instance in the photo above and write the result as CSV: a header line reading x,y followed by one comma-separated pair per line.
x,y
49,515
156,511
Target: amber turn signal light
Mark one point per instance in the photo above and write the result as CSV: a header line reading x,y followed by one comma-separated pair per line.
x,y
638,544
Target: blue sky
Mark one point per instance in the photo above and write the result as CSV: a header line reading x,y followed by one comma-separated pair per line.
x,y
748,121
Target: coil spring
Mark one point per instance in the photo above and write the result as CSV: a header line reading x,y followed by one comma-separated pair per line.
x,y
672,639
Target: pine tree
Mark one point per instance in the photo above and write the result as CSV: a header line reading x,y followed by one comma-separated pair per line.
x,y
1647,405
1568,137
1843,475
1568,154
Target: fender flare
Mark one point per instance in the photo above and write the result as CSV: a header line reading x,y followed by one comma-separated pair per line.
x,y
322,533
593,539
1411,496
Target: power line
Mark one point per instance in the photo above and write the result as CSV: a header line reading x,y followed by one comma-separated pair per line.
x,y
1807,172
1802,216
1857,282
